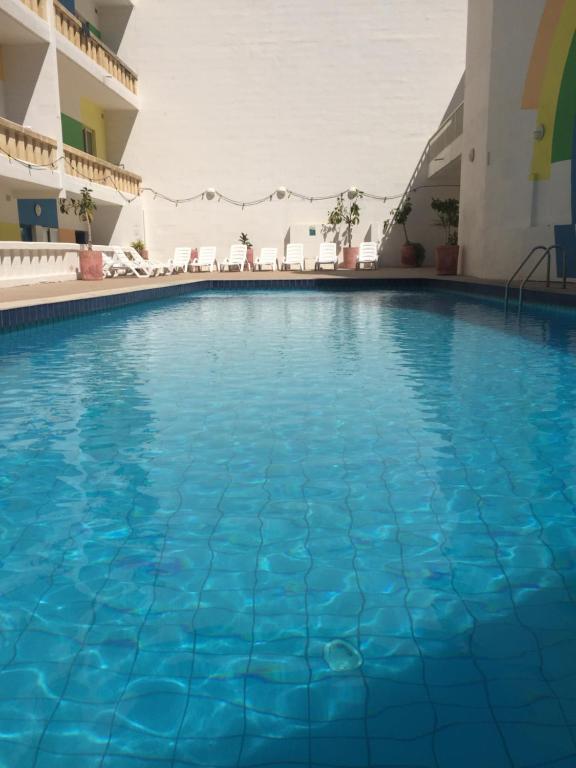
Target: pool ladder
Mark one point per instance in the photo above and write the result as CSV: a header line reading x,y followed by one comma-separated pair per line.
x,y
546,254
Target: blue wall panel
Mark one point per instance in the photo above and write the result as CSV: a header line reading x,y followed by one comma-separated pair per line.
x,y
46,215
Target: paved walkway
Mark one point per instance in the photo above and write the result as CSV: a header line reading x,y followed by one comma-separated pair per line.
x,y
43,293
48,293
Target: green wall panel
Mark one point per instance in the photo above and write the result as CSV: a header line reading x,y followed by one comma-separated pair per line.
x,y
72,132
566,114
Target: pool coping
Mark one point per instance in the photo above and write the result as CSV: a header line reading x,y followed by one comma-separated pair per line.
x,y
37,311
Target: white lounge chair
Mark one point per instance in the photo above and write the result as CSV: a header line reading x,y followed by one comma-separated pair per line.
x,y
108,266
119,261
327,256
154,267
238,257
268,258
180,260
206,258
367,256
294,256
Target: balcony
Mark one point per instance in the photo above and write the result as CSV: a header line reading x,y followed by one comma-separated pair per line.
x,y
71,28
92,169
38,6
445,147
19,142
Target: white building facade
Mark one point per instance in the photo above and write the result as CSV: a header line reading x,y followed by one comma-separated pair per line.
x,y
518,175
140,100
143,101
508,152
67,100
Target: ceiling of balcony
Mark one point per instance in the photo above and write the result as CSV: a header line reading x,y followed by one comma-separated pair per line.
x,y
91,82
14,32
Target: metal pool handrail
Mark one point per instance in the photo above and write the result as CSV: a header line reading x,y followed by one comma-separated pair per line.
x,y
509,283
547,254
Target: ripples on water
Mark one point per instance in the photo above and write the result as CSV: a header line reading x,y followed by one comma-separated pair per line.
x,y
197,496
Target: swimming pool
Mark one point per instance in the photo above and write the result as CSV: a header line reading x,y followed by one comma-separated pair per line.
x,y
197,496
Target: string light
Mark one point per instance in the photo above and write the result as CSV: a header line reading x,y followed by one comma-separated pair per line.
x,y
210,193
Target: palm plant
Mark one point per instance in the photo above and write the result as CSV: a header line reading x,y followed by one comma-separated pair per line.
x,y
245,240
401,215
84,208
347,214
448,217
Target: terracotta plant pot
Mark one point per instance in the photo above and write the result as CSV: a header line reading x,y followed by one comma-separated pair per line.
x,y
409,255
447,259
193,255
250,257
350,257
91,265
144,254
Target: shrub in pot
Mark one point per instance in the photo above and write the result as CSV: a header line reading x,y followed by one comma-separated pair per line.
x,y
139,246
349,215
91,261
448,217
412,254
245,240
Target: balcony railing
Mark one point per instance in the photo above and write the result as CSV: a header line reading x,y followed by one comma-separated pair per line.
x,y
73,30
38,6
19,142
90,168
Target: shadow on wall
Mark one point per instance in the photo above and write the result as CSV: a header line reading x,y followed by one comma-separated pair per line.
x,y
436,174
105,223
23,65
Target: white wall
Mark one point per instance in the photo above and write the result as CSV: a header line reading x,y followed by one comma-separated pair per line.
x,y
312,95
31,92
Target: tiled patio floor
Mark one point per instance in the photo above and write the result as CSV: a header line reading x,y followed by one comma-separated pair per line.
x,y
47,293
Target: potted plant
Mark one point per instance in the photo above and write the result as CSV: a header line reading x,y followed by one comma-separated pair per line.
x,y
349,215
448,212
139,246
412,254
245,240
91,262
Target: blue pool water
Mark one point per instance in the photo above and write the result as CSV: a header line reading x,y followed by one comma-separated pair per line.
x,y
197,496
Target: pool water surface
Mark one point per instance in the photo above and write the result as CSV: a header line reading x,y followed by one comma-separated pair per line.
x,y
198,496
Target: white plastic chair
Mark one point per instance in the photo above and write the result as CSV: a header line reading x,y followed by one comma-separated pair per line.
x,y
367,256
238,257
181,259
268,258
294,256
327,256
206,258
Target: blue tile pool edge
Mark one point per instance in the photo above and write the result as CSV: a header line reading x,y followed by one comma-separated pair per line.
x,y
56,311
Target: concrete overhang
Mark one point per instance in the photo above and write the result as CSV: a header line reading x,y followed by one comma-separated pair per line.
x,y
21,26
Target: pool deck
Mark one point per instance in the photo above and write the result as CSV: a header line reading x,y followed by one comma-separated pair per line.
x,y
18,297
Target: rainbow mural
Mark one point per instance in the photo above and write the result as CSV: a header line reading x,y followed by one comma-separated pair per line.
x,y
551,90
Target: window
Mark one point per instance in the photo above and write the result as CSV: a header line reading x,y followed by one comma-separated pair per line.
x,y
89,141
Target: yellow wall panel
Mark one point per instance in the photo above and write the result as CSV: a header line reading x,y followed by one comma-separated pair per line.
x,y
550,92
92,116
9,231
